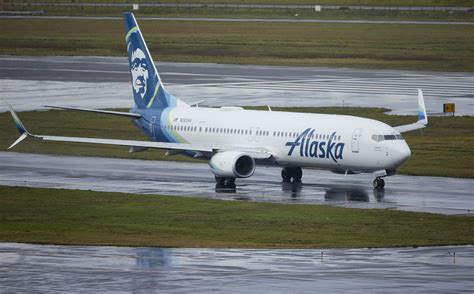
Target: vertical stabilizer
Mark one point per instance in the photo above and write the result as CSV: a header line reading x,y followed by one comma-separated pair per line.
x,y
147,88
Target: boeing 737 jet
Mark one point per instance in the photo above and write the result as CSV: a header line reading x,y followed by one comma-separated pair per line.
x,y
234,141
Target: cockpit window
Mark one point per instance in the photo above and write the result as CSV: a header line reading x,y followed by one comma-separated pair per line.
x,y
389,137
377,138
380,138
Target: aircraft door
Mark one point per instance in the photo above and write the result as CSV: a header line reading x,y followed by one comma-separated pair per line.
x,y
355,140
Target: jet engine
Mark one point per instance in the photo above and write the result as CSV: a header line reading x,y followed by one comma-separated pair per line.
x,y
232,164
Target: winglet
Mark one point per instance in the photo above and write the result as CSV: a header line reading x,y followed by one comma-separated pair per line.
x,y
20,127
422,116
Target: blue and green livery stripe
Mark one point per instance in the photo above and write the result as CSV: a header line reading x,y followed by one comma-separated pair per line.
x,y
213,166
154,95
172,135
131,31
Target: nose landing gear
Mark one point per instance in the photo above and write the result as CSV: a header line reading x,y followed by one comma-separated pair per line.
x,y
379,183
291,173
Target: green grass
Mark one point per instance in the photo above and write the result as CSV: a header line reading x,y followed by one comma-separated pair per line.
x,y
444,148
93,218
416,47
321,2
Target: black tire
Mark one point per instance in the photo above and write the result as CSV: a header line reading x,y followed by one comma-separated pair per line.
x,y
220,180
376,183
286,175
297,174
379,183
229,183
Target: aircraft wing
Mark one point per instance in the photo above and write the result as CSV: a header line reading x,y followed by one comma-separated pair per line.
x,y
129,143
256,153
126,114
422,117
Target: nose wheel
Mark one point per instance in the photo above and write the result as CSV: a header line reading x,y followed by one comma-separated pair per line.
x,y
379,183
291,173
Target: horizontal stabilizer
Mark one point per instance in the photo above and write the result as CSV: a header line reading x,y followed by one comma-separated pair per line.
x,y
21,138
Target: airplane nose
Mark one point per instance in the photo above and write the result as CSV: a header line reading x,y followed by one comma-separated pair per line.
x,y
401,153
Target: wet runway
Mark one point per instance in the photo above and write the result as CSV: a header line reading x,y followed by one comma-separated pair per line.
x,y
103,82
40,268
427,194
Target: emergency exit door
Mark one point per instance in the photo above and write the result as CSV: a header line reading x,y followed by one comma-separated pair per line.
x,y
355,140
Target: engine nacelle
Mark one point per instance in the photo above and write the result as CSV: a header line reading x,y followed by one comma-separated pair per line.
x,y
232,164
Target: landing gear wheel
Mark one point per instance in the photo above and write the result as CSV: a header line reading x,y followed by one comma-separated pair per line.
x,y
286,175
379,183
289,173
229,183
298,174
222,182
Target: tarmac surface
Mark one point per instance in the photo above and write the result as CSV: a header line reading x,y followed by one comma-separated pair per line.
x,y
28,83
87,269
427,194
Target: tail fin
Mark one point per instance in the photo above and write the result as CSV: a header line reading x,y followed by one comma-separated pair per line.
x,y
147,88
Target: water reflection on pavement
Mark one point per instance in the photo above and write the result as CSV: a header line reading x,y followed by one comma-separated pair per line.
x,y
46,268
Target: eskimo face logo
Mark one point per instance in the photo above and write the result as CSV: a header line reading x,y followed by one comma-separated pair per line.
x,y
316,149
139,71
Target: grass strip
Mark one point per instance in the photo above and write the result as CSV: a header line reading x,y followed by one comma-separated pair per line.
x,y
387,3
417,47
50,216
444,148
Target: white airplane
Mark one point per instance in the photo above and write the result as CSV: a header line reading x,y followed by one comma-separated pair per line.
x,y
234,140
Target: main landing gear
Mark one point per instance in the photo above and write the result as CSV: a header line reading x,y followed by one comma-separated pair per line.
x,y
379,183
222,182
291,173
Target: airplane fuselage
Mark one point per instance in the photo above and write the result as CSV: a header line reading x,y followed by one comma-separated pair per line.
x,y
336,142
